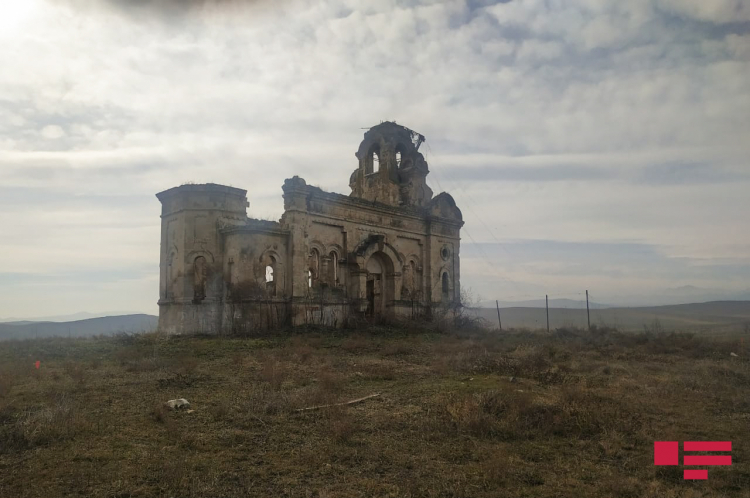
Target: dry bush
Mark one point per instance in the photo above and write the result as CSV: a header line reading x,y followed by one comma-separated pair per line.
x,y
275,402
77,372
260,400
221,410
273,372
497,469
8,379
136,359
511,415
300,349
238,358
357,344
476,414
329,380
126,355
532,358
145,365
56,421
441,365
174,477
185,365
340,424
624,486
378,371
159,413
398,348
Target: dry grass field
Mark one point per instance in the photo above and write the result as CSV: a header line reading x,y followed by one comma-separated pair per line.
x,y
460,414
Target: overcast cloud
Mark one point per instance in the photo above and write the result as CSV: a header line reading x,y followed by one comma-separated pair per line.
x,y
590,144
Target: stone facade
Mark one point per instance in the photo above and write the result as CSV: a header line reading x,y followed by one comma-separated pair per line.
x,y
389,249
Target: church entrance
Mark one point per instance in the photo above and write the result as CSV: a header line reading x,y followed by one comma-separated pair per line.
x,y
371,295
379,290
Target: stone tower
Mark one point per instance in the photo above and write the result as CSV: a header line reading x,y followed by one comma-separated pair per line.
x,y
391,169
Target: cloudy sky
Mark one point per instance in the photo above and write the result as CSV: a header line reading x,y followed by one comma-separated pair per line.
x,y
591,144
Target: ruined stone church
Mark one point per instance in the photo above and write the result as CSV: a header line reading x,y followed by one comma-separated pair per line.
x,y
389,249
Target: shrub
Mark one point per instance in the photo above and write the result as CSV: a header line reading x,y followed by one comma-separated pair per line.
x,y
357,344
7,381
221,410
77,372
273,372
340,424
53,422
159,413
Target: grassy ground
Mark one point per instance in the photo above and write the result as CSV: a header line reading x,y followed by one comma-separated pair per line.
x,y
460,414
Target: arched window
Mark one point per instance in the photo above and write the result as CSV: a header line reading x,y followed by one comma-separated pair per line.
x,y
171,271
334,269
199,279
269,273
373,159
314,266
409,286
446,287
309,278
400,153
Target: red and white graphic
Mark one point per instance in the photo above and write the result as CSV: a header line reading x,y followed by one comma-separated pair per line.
x,y
668,453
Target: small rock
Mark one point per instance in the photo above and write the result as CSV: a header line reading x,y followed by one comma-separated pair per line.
x,y
733,354
177,404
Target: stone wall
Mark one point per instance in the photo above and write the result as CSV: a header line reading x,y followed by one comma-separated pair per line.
x,y
387,250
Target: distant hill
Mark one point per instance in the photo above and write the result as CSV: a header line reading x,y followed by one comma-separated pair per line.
x,y
540,303
74,317
107,325
715,317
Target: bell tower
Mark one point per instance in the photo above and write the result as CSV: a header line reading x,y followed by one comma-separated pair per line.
x,y
391,168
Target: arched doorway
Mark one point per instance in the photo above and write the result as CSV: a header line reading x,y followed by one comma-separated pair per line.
x,y
380,285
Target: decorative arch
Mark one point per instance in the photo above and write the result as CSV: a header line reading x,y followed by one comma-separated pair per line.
x,y
206,254
381,289
273,279
413,257
365,252
267,255
335,248
315,244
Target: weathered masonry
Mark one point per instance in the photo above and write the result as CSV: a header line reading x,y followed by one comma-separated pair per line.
x,y
389,249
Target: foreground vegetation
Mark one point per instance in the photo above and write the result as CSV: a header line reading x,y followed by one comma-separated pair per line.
x,y
463,414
